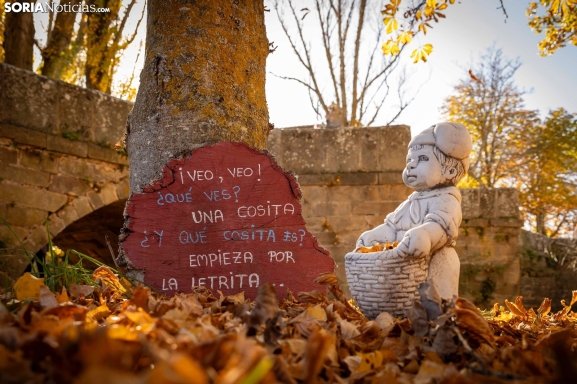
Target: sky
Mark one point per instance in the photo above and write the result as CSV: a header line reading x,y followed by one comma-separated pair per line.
x,y
458,41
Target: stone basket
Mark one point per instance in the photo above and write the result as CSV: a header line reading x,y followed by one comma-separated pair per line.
x,y
384,281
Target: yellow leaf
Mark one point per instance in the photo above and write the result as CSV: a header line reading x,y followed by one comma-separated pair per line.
x,y
63,297
429,11
121,332
99,313
391,24
405,37
390,48
431,3
317,312
422,53
28,287
373,360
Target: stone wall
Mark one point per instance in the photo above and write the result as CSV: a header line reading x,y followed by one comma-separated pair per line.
x,y
351,179
57,164
548,269
56,156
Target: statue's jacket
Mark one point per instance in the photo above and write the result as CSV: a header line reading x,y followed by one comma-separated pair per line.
x,y
441,206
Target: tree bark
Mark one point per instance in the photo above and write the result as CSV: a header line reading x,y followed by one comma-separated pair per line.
x,y
57,51
203,82
19,38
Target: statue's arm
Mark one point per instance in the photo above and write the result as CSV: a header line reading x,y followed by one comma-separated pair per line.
x,y
440,227
381,234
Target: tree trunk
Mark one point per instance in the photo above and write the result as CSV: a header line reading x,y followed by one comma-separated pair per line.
x,y
99,56
57,51
203,82
540,219
19,37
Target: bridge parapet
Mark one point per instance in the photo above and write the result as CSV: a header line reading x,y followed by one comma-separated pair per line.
x,y
56,156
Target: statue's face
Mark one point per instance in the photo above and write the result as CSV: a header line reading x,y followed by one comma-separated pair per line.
x,y
423,170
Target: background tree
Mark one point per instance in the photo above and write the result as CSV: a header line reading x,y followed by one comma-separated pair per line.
x,y
18,39
547,174
356,93
489,103
203,82
558,19
81,48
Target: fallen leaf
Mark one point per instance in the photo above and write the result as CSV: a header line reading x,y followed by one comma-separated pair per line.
x,y
28,287
47,299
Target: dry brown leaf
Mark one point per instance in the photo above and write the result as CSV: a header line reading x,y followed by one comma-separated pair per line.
x,y
107,278
63,296
77,290
47,299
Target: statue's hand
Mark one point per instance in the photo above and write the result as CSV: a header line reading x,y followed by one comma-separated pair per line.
x,y
416,243
367,239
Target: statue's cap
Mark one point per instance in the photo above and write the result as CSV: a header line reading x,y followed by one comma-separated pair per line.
x,y
453,139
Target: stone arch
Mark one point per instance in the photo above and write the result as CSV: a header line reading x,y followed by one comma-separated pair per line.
x,y
111,194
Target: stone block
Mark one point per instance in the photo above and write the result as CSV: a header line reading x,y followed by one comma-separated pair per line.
x,y
108,194
25,217
331,209
68,214
37,239
69,185
347,223
83,206
393,144
369,146
25,176
378,192
28,100
315,224
76,112
475,223
8,156
3,209
23,136
37,159
391,177
471,203
55,225
106,154
381,208
31,197
344,153
358,179
63,145
123,189
12,240
348,239
487,198
400,192
274,144
326,238
110,114
507,222
95,200
507,202
96,171
345,193
318,179
374,220
308,210
301,151
338,253
314,194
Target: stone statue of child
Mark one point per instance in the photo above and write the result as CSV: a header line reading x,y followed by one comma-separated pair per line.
x,y
427,222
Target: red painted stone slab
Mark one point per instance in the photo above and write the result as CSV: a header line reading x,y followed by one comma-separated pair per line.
x,y
227,217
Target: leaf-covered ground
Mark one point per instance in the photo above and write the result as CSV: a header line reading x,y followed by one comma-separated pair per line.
x,y
115,332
